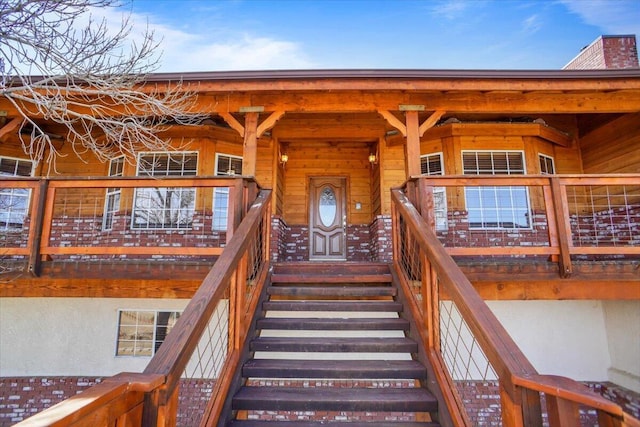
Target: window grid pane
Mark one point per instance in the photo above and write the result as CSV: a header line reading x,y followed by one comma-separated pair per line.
x,y
165,208
112,198
140,333
226,165
14,202
432,165
492,207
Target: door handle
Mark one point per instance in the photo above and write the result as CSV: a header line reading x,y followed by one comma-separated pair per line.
x,y
344,223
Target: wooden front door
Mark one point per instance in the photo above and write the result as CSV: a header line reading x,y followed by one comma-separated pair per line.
x,y
327,218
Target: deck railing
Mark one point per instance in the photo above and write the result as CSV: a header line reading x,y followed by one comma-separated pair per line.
x,y
468,347
188,378
566,218
119,218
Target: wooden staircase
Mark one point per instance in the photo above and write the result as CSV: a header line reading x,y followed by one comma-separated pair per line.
x,y
331,349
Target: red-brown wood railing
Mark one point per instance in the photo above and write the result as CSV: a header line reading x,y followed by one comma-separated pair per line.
x,y
203,346
465,342
563,217
66,219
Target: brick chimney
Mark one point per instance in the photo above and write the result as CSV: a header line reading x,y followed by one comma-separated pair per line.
x,y
607,52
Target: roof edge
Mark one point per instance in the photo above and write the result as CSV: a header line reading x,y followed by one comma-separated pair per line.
x,y
399,74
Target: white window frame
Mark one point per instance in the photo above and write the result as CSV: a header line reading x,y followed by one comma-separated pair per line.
x,y
547,160
143,197
496,195
220,202
10,213
112,195
439,193
139,350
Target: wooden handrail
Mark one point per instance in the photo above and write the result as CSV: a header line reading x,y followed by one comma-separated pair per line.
x,y
151,398
173,356
92,407
517,377
500,348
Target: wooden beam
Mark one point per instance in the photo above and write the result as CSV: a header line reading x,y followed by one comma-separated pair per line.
x,y
231,121
394,121
250,149
269,122
412,149
431,121
9,128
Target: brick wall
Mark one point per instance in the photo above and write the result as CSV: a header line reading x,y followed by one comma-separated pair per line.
x,y
481,399
459,233
381,239
613,227
22,397
607,52
365,242
87,231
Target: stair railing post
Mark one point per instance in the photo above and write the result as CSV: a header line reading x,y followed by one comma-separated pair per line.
x,y
511,410
561,210
241,293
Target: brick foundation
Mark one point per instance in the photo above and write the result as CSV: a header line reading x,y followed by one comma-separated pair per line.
x,y
22,397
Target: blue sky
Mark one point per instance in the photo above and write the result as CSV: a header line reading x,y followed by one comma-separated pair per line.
x,y
212,35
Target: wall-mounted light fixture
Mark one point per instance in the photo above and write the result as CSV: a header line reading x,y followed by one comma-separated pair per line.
x,y
373,154
283,157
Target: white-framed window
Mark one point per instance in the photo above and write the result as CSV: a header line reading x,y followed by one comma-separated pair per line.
x,y
14,202
547,164
112,198
141,332
226,165
165,208
432,165
499,207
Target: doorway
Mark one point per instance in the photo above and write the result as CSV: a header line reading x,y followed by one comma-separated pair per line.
x,y
327,218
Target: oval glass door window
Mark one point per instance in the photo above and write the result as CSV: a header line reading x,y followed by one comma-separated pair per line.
x,y
327,206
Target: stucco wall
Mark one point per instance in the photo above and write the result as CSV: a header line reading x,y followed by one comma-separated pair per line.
x,y
622,320
67,336
567,338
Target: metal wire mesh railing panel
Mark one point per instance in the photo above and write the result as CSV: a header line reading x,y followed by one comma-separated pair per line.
x,y
604,215
257,258
492,216
468,366
410,263
204,367
159,218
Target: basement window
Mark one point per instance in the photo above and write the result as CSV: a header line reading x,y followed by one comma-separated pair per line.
x,y
226,165
496,207
14,202
432,165
140,333
168,207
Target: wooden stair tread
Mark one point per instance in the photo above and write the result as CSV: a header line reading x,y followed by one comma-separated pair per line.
x,y
386,345
330,278
335,399
338,369
327,268
320,324
338,291
386,306
254,423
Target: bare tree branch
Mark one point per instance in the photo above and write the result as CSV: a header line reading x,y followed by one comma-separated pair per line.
x,y
86,77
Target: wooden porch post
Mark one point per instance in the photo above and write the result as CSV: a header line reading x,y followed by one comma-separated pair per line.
x,y
412,147
250,150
